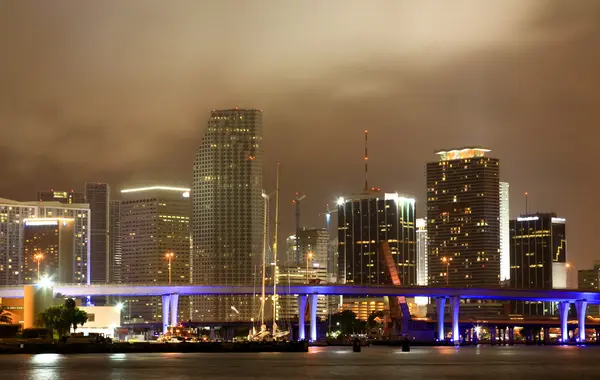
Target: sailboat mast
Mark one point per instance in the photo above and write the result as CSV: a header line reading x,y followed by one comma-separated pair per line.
x,y
275,248
264,258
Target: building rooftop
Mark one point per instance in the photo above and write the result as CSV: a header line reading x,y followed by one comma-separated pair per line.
x,y
462,153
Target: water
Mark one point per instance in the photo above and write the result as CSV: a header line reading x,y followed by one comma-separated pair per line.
x,y
330,363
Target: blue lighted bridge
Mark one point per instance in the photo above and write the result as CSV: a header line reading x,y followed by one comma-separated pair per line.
x,y
171,293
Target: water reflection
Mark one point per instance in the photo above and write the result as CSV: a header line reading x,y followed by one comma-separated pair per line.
x,y
45,367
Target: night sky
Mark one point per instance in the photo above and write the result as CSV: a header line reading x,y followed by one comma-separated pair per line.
x,y
120,92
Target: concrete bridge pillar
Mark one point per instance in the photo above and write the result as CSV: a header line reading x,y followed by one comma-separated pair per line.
x,y
166,300
455,307
314,298
492,335
511,335
301,317
440,305
581,307
563,312
174,301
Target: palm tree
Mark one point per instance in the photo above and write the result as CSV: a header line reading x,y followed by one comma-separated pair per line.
x,y
4,317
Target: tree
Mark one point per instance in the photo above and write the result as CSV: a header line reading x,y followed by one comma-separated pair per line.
x,y
375,319
61,318
4,317
347,322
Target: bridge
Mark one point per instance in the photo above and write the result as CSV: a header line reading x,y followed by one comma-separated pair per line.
x,y
170,295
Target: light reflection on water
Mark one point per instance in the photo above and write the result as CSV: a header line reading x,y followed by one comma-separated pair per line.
x,y
491,363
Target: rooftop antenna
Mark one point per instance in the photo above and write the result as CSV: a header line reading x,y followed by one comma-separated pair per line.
x,y
526,203
366,162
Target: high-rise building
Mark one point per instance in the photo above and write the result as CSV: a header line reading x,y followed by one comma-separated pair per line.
x,y
48,249
538,258
422,252
504,232
80,214
155,222
313,242
61,196
463,219
228,212
364,221
12,215
97,195
290,250
116,258
589,280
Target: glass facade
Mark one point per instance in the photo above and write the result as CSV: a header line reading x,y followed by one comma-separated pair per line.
x,y
228,212
97,195
363,223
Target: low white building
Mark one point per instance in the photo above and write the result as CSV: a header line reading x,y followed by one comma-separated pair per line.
x,y
101,320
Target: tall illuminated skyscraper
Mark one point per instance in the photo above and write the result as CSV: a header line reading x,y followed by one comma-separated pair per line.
x,y
463,219
116,258
227,217
12,216
364,221
504,232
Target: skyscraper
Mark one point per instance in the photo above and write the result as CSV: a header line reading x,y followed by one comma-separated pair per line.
x,y
114,238
154,222
463,219
228,216
61,196
12,216
504,232
364,221
49,241
538,258
315,243
97,195
422,252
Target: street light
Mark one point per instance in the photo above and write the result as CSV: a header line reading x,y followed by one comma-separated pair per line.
x,y
38,257
170,256
446,261
309,257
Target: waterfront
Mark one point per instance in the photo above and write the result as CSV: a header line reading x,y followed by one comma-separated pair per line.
x,y
518,362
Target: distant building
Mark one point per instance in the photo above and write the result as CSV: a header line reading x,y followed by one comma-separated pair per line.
x,y
290,250
364,221
287,308
421,251
115,256
504,232
97,195
313,242
49,240
61,196
154,221
228,212
589,280
463,219
538,258
12,216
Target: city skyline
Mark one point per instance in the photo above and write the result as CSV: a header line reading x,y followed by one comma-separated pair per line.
x,y
504,87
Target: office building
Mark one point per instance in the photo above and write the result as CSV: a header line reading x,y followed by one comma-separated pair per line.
x,y
114,238
228,212
463,219
538,258
48,249
504,232
155,223
80,214
364,221
589,279
290,250
12,216
313,244
97,195
287,306
61,196
421,251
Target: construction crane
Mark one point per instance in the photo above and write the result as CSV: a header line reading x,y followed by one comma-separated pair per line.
x,y
297,203
327,215
397,305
